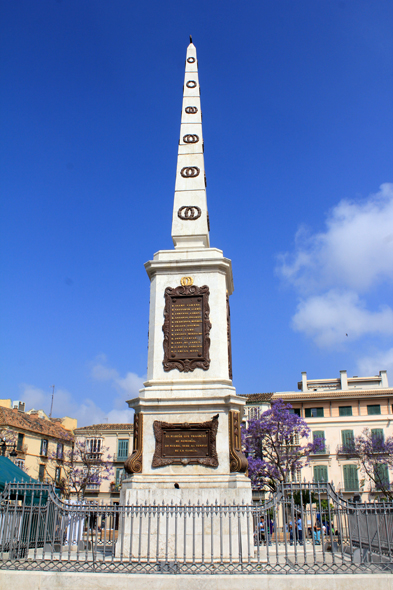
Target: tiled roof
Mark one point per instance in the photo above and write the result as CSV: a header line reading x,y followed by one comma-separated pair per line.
x,y
314,395
257,397
106,427
33,423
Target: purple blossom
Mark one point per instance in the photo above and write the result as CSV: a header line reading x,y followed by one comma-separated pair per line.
x,y
275,446
375,457
82,468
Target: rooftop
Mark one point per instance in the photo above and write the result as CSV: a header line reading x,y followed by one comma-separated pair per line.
x,y
257,397
104,427
319,395
33,423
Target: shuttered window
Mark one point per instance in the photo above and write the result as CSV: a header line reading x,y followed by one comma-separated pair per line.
x,y
381,474
345,410
122,448
351,480
373,410
119,475
347,437
377,435
320,473
41,472
44,447
313,412
319,434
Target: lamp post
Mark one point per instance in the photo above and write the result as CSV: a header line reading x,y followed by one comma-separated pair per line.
x,y
4,446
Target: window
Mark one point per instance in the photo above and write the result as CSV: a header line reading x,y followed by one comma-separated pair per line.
x,y
294,411
351,481
381,474
44,447
20,441
41,472
377,436
345,410
314,412
20,463
319,434
295,476
122,448
94,445
254,414
374,410
320,473
59,451
347,438
119,476
57,474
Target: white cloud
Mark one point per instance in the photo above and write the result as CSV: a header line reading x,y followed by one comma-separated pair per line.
x,y
335,271
127,386
86,410
355,252
379,360
328,318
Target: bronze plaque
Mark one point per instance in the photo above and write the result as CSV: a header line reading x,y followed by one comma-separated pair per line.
x,y
186,443
186,328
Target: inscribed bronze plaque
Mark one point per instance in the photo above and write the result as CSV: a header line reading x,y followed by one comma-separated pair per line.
x,y
185,444
186,328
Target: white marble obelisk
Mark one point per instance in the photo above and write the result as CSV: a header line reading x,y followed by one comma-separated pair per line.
x,y
189,377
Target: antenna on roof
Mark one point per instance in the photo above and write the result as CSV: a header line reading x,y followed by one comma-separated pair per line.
x,y
51,405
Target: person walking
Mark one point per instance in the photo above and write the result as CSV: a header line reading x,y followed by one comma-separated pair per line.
x,y
300,530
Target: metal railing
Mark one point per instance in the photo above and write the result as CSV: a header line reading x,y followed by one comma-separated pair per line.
x,y
324,449
302,528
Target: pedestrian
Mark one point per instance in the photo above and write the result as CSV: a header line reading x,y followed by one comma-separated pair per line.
x,y
300,530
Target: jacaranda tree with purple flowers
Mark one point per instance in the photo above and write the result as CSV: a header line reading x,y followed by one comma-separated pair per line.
x,y
276,446
375,457
81,468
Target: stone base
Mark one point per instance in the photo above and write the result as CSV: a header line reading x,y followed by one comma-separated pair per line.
x,y
194,521
223,489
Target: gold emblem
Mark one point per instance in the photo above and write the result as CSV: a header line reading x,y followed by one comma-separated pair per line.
x,y
186,281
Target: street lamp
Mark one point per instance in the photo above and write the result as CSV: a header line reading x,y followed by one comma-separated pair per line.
x,y
3,447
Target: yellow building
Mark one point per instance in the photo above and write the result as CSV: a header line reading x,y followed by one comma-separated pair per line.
x,y
338,410
40,443
112,443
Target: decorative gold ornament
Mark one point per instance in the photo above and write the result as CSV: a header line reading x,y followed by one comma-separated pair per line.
x,y
186,281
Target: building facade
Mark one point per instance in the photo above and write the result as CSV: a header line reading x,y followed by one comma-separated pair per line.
x,y
113,443
338,410
40,443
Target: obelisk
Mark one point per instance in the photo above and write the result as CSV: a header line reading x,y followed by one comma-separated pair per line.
x,y
187,444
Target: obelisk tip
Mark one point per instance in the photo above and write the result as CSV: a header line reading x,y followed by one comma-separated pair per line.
x,y
190,38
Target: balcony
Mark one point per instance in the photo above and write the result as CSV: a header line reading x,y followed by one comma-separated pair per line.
x,y
323,450
347,450
22,449
94,456
93,487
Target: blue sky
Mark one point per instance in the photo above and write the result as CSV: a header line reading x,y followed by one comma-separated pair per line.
x,y
298,128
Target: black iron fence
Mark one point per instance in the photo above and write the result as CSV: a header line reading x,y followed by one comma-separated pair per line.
x,y
302,528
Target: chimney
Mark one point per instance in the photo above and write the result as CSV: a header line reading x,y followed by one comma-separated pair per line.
x,y
304,381
344,380
384,379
